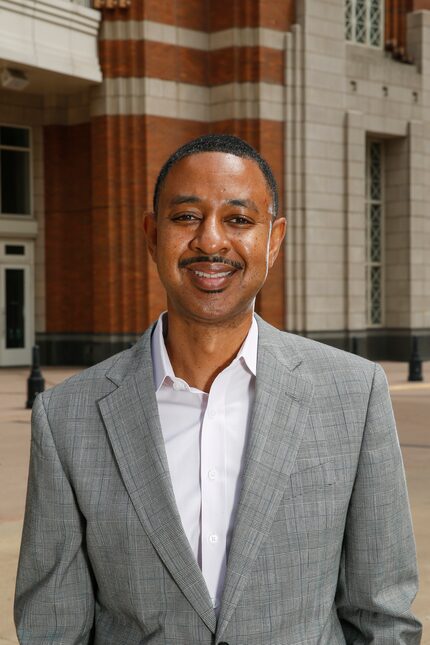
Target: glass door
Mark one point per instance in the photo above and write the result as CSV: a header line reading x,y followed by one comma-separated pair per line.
x,y
16,315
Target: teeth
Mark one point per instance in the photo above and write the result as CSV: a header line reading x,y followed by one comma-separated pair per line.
x,y
213,276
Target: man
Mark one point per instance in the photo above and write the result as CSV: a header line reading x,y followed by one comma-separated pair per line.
x,y
221,481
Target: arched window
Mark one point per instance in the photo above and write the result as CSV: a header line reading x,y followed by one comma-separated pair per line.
x,y
363,22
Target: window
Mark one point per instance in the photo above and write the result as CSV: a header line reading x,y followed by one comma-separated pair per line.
x,y
14,171
375,235
363,22
15,322
14,249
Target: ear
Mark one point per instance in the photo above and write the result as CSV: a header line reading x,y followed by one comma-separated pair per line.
x,y
277,235
150,230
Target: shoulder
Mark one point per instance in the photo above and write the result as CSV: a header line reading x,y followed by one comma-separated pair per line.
x,y
316,353
82,390
342,385
315,361
89,384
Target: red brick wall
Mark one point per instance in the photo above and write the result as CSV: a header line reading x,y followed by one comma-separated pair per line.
x,y
210,15
119,266
192,14
251,13
246,65
67,161
139,58
172,63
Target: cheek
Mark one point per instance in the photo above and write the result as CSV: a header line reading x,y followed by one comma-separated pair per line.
x,y
168,253
256,254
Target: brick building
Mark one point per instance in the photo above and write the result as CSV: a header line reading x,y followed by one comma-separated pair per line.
x,y
334,93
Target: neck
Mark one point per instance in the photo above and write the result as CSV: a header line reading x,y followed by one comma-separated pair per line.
x,y
199,351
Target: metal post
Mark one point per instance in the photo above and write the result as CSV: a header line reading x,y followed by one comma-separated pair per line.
x,y
35,382
354,343
415,363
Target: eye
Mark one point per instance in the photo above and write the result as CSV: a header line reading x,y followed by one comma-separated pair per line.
x,y
184,217
240,220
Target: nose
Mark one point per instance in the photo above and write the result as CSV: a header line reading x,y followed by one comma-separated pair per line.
x,y
211,237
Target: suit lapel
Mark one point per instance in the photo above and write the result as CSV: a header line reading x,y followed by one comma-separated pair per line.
x,y
131,418
281,407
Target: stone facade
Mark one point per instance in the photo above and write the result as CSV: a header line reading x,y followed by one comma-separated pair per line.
x,y
350,94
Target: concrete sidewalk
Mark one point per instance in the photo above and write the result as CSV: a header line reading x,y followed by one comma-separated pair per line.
x,y
411,405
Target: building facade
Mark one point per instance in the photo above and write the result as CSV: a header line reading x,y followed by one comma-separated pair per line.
x,y
96,95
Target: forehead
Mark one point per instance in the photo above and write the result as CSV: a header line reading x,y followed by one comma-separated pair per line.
x,y
217,174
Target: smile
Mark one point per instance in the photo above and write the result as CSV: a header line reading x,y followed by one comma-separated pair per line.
x,y
212,276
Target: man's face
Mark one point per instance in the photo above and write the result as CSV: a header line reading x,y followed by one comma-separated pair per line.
x,y
214,237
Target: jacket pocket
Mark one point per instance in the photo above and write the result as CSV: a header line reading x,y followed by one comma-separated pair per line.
x,y
312,477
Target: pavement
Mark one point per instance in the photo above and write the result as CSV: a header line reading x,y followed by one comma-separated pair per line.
x,y
411,403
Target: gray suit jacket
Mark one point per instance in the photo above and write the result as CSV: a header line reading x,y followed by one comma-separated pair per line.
x,y
322,551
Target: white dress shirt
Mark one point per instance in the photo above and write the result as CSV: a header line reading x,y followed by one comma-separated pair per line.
x,y
205,437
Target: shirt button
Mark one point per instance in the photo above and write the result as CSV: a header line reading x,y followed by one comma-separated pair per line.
x,y
211,414
212,473
213,539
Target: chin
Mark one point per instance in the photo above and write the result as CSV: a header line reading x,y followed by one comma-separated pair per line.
x,y
217,314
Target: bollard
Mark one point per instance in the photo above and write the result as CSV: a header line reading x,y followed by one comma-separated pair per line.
x,y
415,363
35,382
354,348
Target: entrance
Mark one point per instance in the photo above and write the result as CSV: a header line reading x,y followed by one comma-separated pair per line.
x,y
16,306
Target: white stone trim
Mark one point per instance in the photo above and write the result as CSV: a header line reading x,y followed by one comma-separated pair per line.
x,y
295,315
18,227
156,31
186,101
57,12
192,38
122,96
247,100
248,37
39,215
53,35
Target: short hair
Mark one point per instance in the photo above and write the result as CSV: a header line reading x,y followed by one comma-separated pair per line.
x,y
227,143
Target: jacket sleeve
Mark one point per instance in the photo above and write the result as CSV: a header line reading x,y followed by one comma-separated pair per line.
x,y
378,572
54,598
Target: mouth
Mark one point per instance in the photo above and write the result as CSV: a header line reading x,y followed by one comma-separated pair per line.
x,y
211,277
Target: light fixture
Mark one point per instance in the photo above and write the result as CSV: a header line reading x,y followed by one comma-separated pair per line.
x,y
14,79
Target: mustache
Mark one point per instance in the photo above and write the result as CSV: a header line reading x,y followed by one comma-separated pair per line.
x,y
216,259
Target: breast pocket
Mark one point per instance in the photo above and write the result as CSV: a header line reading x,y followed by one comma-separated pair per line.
x,y
310,500
312,477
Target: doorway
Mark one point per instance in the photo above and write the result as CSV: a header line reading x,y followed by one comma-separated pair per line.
x,y
16,306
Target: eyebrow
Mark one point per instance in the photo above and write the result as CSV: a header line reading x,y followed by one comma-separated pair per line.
x,y
193,199
244,203
185,199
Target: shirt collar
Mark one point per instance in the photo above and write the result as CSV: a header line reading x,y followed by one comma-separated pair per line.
x,y
162,367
